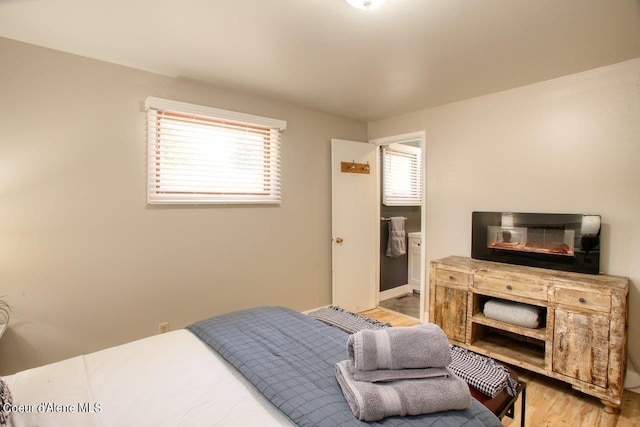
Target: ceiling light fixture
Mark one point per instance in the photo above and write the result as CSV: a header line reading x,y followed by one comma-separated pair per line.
x,y
366,4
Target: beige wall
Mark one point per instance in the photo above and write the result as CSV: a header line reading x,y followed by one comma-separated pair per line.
x,y
86,264
568,145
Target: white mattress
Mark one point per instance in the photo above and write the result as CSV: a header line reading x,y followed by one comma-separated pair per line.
x,y
164,380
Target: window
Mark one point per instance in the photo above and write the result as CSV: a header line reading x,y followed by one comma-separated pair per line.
x,y
205,155
401,175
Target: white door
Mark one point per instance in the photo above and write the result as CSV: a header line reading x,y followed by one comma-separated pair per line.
x,y
354,226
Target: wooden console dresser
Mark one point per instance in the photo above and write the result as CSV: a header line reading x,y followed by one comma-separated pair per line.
x,y
582,339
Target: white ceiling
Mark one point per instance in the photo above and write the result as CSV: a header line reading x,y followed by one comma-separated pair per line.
x,y
324,54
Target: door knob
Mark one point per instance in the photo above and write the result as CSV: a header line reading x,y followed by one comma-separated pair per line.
x,y
339,240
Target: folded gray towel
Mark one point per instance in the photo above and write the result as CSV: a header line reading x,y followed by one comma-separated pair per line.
x,y
515,313
383,375
421,346
396,244
375,401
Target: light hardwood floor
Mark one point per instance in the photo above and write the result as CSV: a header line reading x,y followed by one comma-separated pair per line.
x,y
550,403
407,304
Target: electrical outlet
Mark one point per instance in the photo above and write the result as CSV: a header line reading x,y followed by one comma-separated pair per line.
x,y
163,327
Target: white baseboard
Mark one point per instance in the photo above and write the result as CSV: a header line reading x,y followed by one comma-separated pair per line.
x,y
395,292
632,381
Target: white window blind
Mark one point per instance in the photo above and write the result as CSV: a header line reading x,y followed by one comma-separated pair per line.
x,y
200,154
401,175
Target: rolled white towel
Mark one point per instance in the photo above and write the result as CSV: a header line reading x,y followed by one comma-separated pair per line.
x,y
514,313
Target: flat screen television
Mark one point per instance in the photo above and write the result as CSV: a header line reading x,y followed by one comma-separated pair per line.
x,y
567,242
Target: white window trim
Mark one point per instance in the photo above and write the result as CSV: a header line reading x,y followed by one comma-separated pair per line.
x,y
415,178
183,107
154,196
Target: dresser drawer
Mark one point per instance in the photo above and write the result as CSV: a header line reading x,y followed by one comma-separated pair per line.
x,y
581,299
452,277
536,291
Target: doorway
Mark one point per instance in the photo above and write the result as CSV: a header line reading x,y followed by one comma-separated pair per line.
x,y
401,274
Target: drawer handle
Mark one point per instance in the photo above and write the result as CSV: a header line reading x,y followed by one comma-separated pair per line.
x,y
510,287
452,278
582,300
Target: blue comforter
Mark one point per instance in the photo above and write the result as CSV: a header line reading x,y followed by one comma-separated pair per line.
x,y
290,358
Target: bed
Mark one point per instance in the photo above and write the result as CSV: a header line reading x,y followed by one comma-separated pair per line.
x,y
266,366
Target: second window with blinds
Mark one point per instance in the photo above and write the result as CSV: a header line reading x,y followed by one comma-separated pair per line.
x,y
200,154
401,175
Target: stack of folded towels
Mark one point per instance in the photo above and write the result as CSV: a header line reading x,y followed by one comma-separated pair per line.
x,y
400,371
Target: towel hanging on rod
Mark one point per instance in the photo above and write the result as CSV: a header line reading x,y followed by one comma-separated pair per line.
x,y
389,219
396,245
